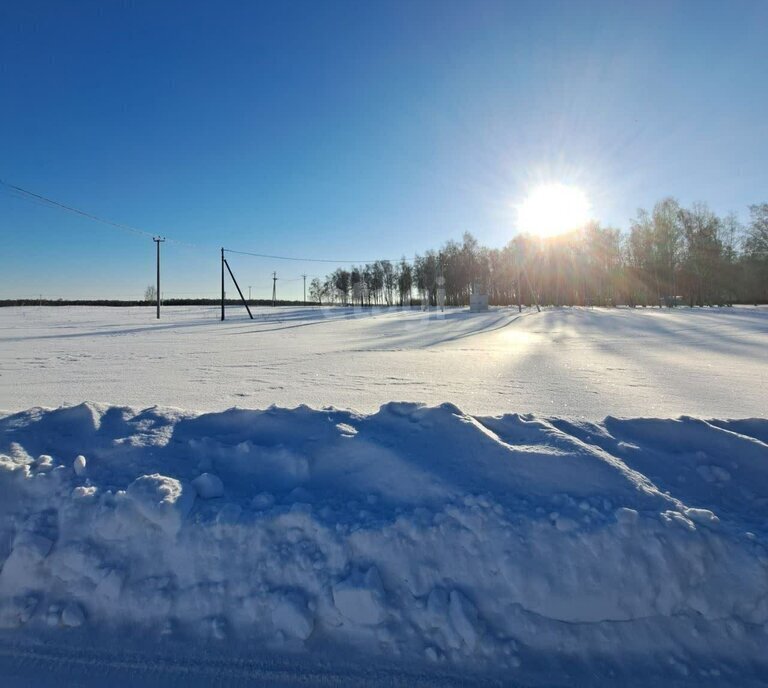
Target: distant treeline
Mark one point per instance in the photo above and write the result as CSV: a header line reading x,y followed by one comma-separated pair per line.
x,y
165,302
670,255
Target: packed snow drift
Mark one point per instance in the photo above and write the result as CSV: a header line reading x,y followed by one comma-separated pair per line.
x,y
505,548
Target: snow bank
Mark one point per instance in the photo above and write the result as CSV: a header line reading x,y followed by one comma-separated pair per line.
x,y
415,534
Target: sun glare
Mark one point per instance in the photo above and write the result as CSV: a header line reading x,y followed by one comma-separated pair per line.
x,y
553,209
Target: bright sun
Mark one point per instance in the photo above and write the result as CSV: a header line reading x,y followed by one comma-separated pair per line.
x,y
553,209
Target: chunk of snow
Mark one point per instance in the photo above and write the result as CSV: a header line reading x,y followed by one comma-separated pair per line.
x,y
346,429
713,473
53,615
44,463
17,611
626,516
162,500
83,492
565,525
28,552
72,615
673,517
463,616
262,501
110,586
703,516
218,628
208,486
79,465
437,607
229,514
291,615
36,544
360,597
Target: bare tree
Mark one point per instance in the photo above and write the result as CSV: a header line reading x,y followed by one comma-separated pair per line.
x,y
316,291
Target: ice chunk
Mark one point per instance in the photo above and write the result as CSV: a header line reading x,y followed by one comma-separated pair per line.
x,y
208,486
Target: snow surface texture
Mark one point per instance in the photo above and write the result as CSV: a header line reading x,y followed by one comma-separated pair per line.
x,y
581,363
508,548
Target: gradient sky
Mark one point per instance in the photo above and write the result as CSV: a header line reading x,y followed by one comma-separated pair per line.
x,y
355,130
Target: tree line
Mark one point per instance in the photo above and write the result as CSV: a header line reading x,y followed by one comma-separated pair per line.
x,y
670,255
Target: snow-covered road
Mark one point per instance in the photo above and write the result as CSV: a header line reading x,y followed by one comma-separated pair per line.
x,y
581,363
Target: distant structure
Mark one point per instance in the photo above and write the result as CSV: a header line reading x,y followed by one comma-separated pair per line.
x,y
477,300
441,292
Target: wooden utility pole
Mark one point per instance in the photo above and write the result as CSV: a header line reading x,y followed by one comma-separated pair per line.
x,y
222,283
274,289
305,289
158,240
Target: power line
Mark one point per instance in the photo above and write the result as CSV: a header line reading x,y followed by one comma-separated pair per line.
x,y
40,198
77,211
308,260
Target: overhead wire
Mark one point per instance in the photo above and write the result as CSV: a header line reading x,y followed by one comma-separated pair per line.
x,y
307,260
77,211
40,199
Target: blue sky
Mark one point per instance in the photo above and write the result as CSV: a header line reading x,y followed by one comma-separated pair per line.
x,y
355,130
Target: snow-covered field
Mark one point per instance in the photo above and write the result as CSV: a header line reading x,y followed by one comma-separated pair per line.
x,y
385,543
582,363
